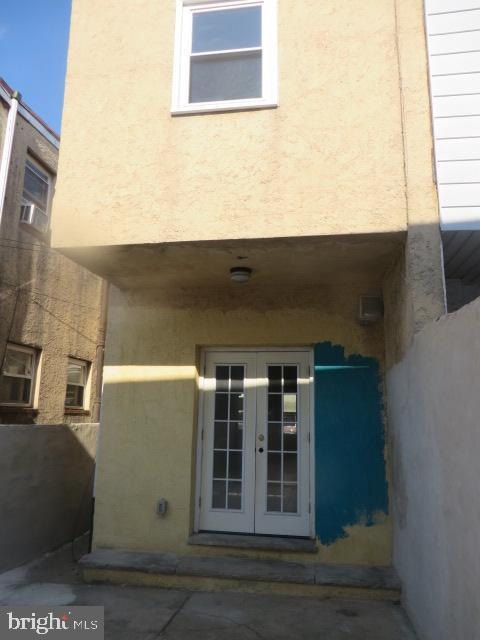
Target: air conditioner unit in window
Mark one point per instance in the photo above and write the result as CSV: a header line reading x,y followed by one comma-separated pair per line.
x,y
32,215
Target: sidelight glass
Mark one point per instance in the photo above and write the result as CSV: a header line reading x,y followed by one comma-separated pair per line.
x,y
282,440
228,437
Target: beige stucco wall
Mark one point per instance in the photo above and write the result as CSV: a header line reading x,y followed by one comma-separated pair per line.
x,y
148,433
46,475
328,160
413,286
434,408
46,300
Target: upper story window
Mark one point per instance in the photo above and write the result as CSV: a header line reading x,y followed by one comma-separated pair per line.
x,y
35,197
225,55
77,377
18,376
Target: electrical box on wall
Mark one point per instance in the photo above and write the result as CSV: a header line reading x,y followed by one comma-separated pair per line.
x,y
161,507
370,308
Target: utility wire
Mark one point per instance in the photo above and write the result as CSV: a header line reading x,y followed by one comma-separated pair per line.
x,y
47,295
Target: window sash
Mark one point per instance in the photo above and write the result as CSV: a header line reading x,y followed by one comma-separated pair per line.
x,y
31,198
184,55
30,378
78,387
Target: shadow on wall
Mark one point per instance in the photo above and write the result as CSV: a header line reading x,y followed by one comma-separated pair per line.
x,y
351,478
47,479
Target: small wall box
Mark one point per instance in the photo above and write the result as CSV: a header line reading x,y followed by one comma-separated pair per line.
x,y
161,507
370,308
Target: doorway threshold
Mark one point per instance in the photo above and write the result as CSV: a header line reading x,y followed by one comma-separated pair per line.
x,y
239,541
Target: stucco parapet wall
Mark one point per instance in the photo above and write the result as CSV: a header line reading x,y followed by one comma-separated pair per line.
x,y
441,327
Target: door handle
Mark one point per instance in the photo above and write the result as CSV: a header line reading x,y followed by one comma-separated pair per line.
x,y
260,450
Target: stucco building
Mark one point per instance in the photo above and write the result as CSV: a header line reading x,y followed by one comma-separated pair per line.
x,y
52,332
52,311
289,145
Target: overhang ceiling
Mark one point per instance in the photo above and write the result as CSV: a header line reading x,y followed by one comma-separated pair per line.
x,y
293,265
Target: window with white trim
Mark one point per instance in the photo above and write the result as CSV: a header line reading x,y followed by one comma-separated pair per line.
x,y
35,196
225,55
17,377
77,377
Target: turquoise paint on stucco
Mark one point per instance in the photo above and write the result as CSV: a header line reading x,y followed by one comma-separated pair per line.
x,y
350,475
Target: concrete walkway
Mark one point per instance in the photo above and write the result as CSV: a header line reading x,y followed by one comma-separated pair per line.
x,y
139,613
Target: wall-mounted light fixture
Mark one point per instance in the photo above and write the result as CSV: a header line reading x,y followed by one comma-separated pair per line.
x,y
240,274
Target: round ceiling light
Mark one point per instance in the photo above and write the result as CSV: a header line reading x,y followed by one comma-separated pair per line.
x,y
240,274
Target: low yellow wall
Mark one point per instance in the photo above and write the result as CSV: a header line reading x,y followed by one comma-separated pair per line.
x,y
148,435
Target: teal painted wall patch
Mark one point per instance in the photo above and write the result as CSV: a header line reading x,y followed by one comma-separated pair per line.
x,y
350,475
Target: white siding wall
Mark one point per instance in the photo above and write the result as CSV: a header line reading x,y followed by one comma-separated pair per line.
x,y
453,31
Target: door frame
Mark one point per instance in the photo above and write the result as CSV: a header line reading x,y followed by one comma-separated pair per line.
x,y
200,418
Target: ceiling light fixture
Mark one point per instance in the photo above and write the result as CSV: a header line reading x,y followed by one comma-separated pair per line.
x,y
240,274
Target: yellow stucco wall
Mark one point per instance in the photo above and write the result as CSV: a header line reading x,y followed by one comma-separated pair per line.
x,y
148,433
328,160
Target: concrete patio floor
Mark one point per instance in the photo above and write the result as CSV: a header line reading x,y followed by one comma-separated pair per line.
x,y
141,613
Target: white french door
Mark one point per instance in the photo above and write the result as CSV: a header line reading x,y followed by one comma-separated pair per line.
x,y
255,429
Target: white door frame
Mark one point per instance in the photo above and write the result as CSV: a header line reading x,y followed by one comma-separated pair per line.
x,y
200,421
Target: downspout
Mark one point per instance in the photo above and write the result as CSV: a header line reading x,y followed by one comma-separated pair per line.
x,y
7,148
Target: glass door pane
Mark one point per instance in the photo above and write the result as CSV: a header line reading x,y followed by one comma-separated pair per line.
x,y
282,459
228,437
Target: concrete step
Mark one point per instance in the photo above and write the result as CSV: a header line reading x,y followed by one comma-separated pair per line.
x,y
229,573
265,543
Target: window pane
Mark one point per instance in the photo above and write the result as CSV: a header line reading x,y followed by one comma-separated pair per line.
x,y
274,496
290,498
275,436
15,390
274,466
235,464
18,362
227,29
236,435
221,406
74,396
221,376
290,375
238,374
220,435
75,373
274,407
220,464
236,406
234,495
290,467
275,379
219,494
290,437
35,188
226,77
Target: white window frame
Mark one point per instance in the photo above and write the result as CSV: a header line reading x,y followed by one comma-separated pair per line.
x,y
183,47
86,369
42,173
33,352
